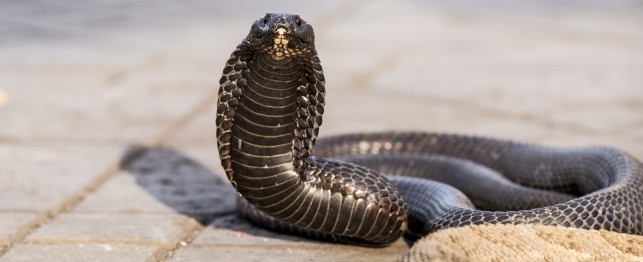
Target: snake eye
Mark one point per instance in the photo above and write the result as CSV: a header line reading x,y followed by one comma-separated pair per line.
x,y
265,21
298,22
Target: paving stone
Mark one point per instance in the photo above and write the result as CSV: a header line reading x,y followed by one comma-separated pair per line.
x,y
41,177
522,68
91,112
10,224
236,230
122,194
161,230
233,237
295,253
80,252
524,92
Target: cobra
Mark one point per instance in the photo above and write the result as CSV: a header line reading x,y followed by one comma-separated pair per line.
x,y
370,189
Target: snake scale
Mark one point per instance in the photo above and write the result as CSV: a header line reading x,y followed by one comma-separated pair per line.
x,y
370,189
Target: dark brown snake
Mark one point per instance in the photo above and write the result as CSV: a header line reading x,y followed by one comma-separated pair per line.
x,y
269,112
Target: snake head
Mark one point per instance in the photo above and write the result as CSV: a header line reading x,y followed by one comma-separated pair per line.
x,y
282,35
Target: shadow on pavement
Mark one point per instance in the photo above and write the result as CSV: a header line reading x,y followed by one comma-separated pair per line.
x,y
190,188
180,182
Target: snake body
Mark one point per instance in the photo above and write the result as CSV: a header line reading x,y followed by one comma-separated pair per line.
x,y
370,189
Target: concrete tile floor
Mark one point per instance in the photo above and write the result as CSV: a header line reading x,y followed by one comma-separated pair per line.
x,y
81,81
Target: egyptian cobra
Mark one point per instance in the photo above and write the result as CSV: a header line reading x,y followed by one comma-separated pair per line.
x,y
370,189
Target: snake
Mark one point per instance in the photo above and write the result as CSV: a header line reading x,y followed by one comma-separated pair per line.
x,y
372,188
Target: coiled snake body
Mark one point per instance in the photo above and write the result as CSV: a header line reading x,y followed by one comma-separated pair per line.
x,y
269,112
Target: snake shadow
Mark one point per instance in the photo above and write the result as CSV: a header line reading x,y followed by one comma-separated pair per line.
x,y
189,188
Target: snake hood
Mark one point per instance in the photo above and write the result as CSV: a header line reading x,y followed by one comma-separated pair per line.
x,y
269,111
281,35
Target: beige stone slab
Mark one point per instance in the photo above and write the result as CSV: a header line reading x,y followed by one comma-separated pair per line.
x,y
10,225
39,178
236,230
558,94
568,73
232,237
122,194
62,111
161,230
612,115
80,252
293,253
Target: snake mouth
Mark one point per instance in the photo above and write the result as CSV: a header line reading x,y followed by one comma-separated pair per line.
x,y
281,30
281,39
